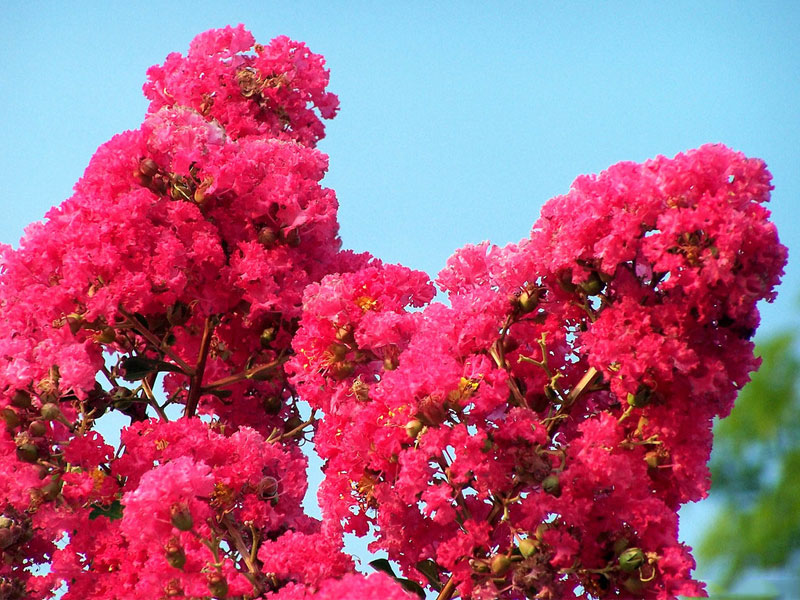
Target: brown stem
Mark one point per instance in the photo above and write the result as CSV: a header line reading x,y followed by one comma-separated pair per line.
x,y
447,590
197,379
241,547
150,337
253,373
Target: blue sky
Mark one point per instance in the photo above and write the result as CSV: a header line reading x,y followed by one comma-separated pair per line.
x,y
457,122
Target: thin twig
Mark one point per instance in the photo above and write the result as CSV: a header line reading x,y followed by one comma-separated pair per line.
x,y
197,379
150,337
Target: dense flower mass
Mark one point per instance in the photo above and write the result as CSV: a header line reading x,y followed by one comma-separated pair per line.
x,y
532,437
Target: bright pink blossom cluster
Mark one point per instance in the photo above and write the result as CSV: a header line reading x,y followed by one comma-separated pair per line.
x,y
532,437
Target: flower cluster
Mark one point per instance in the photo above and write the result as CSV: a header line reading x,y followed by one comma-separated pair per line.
x,y
532,437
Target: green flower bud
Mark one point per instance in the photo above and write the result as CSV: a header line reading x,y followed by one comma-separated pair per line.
x,y
552,485
27,452
500,565
180,517
176,556
51,412
527,547
413,428
593,286
528,300
11,417
268,336
641,398
37,428
631,559
217,585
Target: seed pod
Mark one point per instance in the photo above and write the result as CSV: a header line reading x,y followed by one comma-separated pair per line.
x,y
594,285
631,559
527,547
500,565
11,417
217,585
106,336
413,428
175,554
180,517
267,237
27,452
51,412
148,167
552,485
528,300
268,336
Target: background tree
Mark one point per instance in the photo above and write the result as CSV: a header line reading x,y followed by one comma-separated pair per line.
x,y
755,469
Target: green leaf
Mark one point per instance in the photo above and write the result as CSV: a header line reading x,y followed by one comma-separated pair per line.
x,y
411,586
430,570
112,512
139,367
383,565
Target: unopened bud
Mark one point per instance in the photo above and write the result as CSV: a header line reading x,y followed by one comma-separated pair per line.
x,y
51,412
631,559
106,336
640,398
11,417
500,565
390,363
593,286
267,237
528,300
6,522
338,351
7,538
268,336
272,405
293,238
176,556
413,428
52,489
180,517
527,547
267,488
552,485
27,452
148,167
217,585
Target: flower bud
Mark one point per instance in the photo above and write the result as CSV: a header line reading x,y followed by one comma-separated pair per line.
x,y
272,405
11,417
268,336
51,412
267,237
500,565
148,167
413,428
293,237
640,398
217,585
552,485
176,556
7,538
52,489
27,452
527,547
478,566
338,351
21,399
6,522
594,285
267,489
180,517
631,559
106,336
528,300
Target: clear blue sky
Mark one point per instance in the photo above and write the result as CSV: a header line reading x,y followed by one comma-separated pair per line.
x,y
457,122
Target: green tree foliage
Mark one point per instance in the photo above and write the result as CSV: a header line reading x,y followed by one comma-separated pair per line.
x,y
756,470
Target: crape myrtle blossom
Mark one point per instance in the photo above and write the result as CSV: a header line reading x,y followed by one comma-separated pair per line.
x,y
533,437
